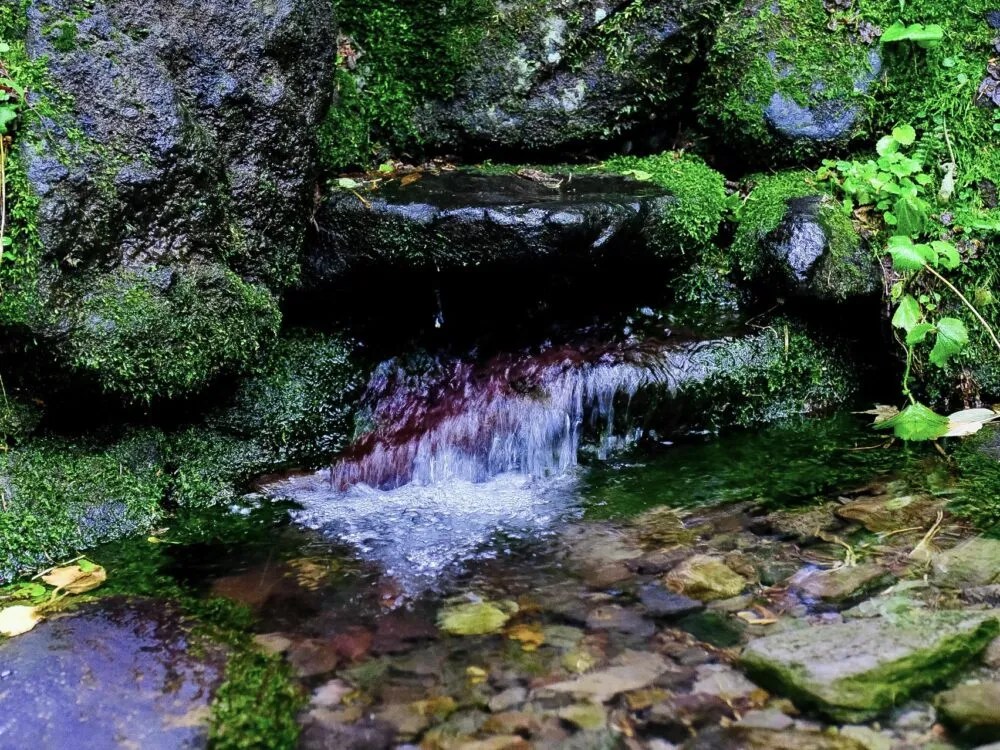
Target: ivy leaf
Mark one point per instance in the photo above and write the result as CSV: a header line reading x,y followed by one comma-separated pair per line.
x,y
918,334
905,255
952,337
905,134
916,422
907,314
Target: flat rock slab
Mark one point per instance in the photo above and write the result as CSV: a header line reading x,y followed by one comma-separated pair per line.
x,y
116,674
974,562
854,671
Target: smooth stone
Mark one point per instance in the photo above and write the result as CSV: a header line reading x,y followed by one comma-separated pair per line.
x,y
323,732
840,583
620,619
660,602
113,674
751,738
888,513
769,718
974,562
973,707
991,656
723,681
630,671
855,670
586,716
508,699
867,737
500,742
706,578
330,694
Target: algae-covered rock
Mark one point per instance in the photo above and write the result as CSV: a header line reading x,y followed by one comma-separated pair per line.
x,y
855,671
784,80
973,708
473,618
757,738
974,562
840,583
705,578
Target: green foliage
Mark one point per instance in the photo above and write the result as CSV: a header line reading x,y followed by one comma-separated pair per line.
x,y
256,705
693,221
145,334
763,211
924,36
404,52
298,402
916,422
209,468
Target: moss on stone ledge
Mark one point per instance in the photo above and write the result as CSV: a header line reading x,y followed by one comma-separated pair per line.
x,y
153,333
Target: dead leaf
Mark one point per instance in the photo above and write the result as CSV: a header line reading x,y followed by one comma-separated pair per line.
x,y
530,636
881,412
410,179
18,619
76,579
969,421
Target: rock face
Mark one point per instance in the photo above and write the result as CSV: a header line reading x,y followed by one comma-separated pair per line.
x,y
816,253
974,562
973,707
463,220
116,674
779,78
187,159
854,671
556,74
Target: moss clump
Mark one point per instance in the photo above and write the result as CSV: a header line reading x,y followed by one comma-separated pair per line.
x,y
59,497
151,333
763,211
394,55
690,222
18,418
773,57
210,468
298,402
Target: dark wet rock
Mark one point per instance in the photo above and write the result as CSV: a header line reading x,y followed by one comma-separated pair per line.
x,y
202,135
508,699
606,576
856,670
973,708
674,717
799,524
988,595
974,562
751,738
840,583
620,619
815,252
112,674
661,602
463,220
993,18
705,578
322,732
313,656
556,74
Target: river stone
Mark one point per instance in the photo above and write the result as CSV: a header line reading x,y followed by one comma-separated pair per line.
x,y
887,513
840,583
974,562
706,578
753,738
113,674
854,671
464,220
974,708
630,671
660,602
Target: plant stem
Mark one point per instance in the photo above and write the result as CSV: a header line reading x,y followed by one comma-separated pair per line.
x,y
968,304
906,375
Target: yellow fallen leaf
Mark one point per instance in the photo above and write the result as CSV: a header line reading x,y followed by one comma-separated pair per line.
x,y
17,620
530,636
476,675
76,579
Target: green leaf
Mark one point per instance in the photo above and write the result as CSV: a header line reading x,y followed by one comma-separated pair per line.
x,y
952,337
887,145
905,134
918,334
912,218
908,314
947,254
346,183
639,175
916,422
7,116
905,256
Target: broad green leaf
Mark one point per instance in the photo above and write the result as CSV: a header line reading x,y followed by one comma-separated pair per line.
x,y
918,334
895,33
907,314
905,134
952,337
912,217
346,183
639,175
947,254
7,116
887,145
906,258
916,422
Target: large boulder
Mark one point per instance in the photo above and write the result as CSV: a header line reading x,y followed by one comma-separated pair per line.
x,y
787,78
570,73
182,157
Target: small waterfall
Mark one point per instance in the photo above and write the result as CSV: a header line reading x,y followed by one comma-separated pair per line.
x,y
522,414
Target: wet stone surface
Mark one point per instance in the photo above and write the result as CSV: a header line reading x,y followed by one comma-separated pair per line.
x,y
115,674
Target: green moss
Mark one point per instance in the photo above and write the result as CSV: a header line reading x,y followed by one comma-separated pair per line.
x,y
691,222
763,211
256,705
298,402
18,418
209,468
59,497
410,51
146,334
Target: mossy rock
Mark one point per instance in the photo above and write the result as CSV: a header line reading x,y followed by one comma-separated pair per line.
x,y
298,403
160,332
59,498
788,79
855,671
